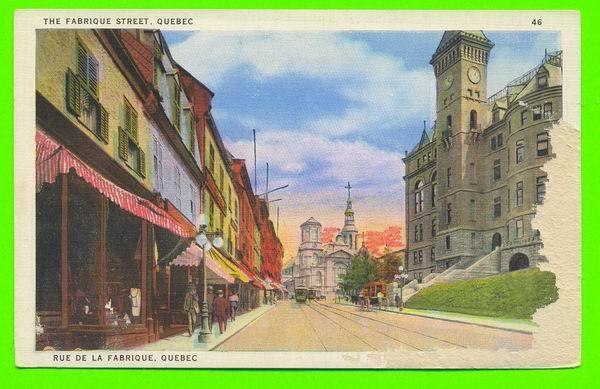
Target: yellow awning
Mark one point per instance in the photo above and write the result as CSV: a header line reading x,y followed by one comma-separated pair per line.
x,y
228,266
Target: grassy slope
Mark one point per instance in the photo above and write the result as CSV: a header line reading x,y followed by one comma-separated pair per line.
x,y
511,295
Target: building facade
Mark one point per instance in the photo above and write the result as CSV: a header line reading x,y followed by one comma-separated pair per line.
x,y
474,180
321,265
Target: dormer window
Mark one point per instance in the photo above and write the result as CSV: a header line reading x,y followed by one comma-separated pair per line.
x,y
496,116
542,81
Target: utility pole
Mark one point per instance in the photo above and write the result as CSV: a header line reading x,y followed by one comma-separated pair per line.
x,y
267,188
277,229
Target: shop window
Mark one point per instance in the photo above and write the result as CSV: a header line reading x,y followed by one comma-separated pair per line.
x,y
82,94
123,305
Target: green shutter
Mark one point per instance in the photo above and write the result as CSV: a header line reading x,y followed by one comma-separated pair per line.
x,y
93,75
127,124
73,93
142,163
103,124
134,125
82,62
123,144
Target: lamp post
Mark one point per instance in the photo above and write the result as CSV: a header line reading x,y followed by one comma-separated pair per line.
x,y
401,277
206,240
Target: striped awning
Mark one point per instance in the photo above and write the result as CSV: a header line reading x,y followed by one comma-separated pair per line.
x,y
53,159
192,256
225,263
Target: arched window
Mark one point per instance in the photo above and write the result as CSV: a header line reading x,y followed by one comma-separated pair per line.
x,y
419,196
473,119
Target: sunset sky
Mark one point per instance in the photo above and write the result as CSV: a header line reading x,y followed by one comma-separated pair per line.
x,y
333,107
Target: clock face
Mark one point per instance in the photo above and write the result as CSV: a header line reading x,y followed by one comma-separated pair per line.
x,y
474,75
448,81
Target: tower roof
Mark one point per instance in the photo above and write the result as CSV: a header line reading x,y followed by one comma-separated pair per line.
x,y
311,221
451,37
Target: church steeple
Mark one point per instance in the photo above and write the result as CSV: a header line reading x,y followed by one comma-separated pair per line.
x,y
349,232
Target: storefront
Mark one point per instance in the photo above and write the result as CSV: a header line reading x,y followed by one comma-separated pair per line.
x,y
94,255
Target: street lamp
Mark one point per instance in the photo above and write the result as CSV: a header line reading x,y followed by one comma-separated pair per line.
x,y
206,240
401,277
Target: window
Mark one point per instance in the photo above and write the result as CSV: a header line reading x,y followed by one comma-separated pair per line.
x,y
542,81
211,158
540,189
221,178
472,175
470,92
433,188
473,120
420,256
449,177
477,94
189,124
499,141
129,149
415,257
519,193
175,90
547,110
519,151
158,167
445,102
432,254
433,228
472,210
82,94
416,233
448,243
448,213
420,232
495,116
497,207
158,69
192,201
177,181
542,144
497,170
419,196
493,143
523,118
211,213
537,112
449,122
519,228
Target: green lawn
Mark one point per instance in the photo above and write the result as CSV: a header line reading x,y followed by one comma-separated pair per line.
x,y
514,295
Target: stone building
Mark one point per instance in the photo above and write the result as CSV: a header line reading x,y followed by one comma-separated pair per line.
x,y
319,265
474,180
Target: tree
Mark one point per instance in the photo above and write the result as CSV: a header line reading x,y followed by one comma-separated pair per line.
x,y
389,265
363,268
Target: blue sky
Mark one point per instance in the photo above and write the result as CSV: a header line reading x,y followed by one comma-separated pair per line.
x,y
331,107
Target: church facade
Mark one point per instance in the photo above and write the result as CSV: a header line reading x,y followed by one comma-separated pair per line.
x,y
474,180
321,265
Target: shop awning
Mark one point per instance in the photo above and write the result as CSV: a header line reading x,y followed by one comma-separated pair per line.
x,y
228,265
265,284
53,159
192,256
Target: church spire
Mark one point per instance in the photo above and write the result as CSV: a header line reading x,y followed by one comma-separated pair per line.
x,y
349,232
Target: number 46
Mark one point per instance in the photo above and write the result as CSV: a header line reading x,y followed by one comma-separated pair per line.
x,y
536,22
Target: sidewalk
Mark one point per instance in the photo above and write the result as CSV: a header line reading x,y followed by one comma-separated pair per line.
x,y
518,325
184,342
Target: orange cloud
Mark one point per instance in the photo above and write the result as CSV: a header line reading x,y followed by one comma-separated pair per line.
x,y
328,234
376,241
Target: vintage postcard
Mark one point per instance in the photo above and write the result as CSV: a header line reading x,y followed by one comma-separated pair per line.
x,y
302,189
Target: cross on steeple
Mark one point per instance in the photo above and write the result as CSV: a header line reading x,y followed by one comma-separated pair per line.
x,y
348,187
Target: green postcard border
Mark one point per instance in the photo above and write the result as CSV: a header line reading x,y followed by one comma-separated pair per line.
x,y
586,375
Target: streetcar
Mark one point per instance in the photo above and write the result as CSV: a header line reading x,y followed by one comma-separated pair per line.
x,y
371,289
300,294
312,294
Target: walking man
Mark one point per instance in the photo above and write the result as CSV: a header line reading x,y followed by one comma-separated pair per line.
x,y
209,303
221,311
191,307
233,304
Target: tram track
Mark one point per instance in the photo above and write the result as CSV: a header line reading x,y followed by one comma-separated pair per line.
x,y
314,329
435,338
412,346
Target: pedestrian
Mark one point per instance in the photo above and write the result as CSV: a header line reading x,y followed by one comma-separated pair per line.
x,y
221,310
379,299
191,307
209,305
397,301
233,304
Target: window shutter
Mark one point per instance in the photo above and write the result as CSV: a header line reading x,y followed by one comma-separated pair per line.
x,y
93,75
123,144
103,124
127,123
73,93
142,163
134,125
82,62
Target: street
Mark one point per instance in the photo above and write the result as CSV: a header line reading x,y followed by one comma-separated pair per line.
x,y
320,326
